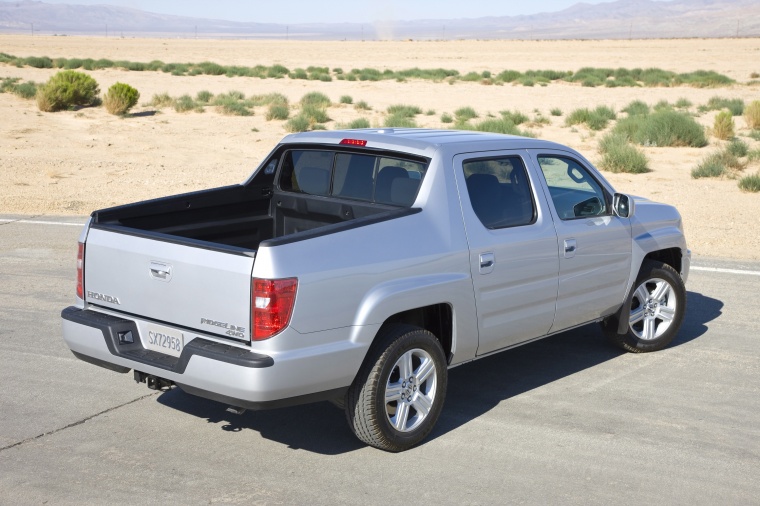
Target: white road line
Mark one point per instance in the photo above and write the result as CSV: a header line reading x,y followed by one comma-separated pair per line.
x,y
726,271
40,222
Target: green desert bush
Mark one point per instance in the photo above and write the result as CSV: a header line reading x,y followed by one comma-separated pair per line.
x,y
556,111
636,108
160,100
359,123
362,106
618,155
595,119
404,111
683,103
298,123
465,114
663,128
120,98
299,74
67,89
752,114
400,121
446,118
750,183
277,111
735,105
515,117
184,103
232,103
723,127
718,164
314,113
13,85
346,99
204,96
315,98
738,147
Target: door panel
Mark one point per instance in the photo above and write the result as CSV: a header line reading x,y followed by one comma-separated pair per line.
x,y
513,248
595,245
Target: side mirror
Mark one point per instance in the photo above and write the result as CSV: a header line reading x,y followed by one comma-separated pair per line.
x,y
623,205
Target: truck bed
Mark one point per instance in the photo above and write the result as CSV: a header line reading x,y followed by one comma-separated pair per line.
x,y
240,216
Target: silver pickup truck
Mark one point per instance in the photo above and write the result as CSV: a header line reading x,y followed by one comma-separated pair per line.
x,y
359,266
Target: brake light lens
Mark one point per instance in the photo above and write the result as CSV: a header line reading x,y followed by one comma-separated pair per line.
x,y
80,271
354,142
273,301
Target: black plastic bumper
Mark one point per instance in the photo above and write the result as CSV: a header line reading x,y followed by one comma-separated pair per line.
x,y
112,327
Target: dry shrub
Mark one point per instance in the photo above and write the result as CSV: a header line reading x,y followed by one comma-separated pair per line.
x,y
66,90
723,128
752,114
120,98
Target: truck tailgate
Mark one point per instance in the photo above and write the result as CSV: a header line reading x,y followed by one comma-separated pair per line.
x,y
177,284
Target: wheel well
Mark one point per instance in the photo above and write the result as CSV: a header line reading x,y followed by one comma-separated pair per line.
x,y
670,256
436,318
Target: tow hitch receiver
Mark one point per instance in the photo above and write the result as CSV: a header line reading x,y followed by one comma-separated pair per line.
x,y
153,382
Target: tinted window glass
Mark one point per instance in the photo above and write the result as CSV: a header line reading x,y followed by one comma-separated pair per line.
x,y
499,191
575,193
356,176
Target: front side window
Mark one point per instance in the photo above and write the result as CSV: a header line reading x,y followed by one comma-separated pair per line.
x,y
355,176
575,193
499,191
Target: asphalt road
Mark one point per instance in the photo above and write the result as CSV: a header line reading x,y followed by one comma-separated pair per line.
x,y
566,420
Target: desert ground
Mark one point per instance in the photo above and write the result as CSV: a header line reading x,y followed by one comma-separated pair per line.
x,y
73,162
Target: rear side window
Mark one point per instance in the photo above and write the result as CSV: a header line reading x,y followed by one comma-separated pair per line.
x,y
357,176
499,191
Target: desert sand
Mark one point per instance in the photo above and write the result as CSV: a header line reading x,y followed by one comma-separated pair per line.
x,y
73,162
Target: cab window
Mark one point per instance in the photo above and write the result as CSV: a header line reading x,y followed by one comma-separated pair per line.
x,y
574,191
499,191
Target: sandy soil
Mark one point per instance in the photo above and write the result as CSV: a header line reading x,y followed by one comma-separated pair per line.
x,y
76,161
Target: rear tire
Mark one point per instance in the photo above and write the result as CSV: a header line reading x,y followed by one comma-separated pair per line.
x,y
658,306
398,394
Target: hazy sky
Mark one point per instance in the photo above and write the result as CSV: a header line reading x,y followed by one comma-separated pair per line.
x,y
321,11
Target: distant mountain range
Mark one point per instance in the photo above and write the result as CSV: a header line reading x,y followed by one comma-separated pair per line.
x,y
622,19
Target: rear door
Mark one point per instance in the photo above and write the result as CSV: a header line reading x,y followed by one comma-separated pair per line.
x,y
594,244
513,248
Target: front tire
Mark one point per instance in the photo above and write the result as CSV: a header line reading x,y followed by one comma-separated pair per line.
x,y
658,306
398,394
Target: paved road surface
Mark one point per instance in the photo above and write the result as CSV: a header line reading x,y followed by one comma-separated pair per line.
x,y
567,420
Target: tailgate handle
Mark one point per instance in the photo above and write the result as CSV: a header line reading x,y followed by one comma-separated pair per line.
x,y
160,271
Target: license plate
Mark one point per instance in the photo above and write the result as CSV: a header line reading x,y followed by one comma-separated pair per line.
x,y
163,340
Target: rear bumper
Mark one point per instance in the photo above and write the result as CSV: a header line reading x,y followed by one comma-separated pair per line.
x,y
226,373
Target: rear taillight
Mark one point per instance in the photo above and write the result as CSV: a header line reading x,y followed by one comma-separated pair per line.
x,y
273,301
80,271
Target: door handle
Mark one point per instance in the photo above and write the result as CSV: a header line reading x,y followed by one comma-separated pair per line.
x,y
487,261
570,247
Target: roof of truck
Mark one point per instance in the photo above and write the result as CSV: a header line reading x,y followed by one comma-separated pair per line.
x,y
420,140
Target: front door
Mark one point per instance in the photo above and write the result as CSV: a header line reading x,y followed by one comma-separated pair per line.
x,y
513,248
594,244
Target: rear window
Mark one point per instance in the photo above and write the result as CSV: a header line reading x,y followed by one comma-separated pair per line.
x,y
358,176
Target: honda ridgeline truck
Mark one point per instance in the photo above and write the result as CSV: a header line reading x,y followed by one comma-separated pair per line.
x,y
359,266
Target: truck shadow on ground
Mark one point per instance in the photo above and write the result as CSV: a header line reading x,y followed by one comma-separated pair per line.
x,y
473,390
